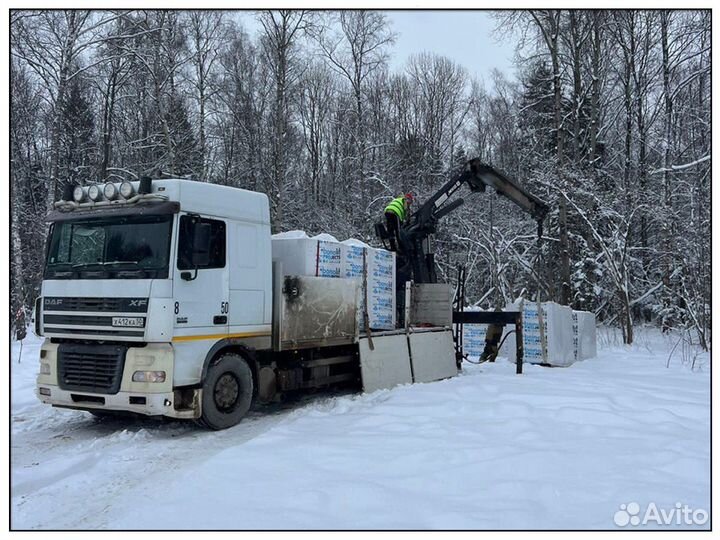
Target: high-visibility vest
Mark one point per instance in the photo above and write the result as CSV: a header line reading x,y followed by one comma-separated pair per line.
x,y
397,207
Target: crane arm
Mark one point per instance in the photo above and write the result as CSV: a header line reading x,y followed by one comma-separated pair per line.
x,y
478,176
415,260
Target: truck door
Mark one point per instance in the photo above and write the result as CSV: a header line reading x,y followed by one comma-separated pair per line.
x,y
201,291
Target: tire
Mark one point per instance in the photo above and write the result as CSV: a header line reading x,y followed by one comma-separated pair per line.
x,y
227,392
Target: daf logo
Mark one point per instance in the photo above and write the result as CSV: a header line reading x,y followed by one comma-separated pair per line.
x,y
53,301
137,302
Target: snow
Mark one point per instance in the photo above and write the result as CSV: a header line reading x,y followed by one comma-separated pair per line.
x,y
552,448
324,237
355,242
290,234
296,234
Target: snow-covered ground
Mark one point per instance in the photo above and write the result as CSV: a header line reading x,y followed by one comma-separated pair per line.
x,y
553,448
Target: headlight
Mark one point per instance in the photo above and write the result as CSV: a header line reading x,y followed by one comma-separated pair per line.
x,y
126,190
110,191
94,193
149,376
78,194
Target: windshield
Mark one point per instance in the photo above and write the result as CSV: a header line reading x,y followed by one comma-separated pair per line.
x,y
118,247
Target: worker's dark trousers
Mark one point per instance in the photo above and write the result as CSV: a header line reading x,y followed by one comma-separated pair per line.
x,y
392,224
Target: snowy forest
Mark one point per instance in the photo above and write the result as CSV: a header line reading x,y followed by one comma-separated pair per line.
x,y
607,119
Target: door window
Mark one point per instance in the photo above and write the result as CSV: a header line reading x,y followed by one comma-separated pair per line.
x,y
185,247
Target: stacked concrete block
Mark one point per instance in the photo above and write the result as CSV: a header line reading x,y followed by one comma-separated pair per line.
x,y
375,268
584,335
547,334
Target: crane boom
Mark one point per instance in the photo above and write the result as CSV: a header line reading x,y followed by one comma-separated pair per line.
x,y
478,176
415,261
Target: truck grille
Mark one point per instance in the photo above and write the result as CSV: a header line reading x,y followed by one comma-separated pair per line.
x,y
91,320
91,368
66,303
66,316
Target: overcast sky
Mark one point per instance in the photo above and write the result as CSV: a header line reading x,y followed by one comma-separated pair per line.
x,y
466,37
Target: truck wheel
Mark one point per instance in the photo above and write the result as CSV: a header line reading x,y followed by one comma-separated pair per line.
x,y
227,392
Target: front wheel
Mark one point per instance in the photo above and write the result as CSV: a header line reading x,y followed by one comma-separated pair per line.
x,y
227,392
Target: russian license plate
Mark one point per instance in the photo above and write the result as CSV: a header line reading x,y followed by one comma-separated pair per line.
x,y
134,322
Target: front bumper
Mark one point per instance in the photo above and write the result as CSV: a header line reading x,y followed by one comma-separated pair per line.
x,y
151,399
154,404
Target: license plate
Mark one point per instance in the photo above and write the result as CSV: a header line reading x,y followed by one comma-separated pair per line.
x,y
135,322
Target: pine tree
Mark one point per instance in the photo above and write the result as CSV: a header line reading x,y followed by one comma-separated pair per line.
x,y
79,148
187,160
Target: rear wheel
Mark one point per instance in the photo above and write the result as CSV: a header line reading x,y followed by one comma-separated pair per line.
x,y
227,392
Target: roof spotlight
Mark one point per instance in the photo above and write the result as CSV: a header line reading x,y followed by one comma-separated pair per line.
x,y
94,193
78,194
110,191
126,190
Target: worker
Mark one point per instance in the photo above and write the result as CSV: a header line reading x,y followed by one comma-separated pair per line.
x,y
395,214
492,339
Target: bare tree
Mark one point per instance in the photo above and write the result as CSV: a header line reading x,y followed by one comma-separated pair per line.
x,y
51,44
207,31
357,51
316,94
281,31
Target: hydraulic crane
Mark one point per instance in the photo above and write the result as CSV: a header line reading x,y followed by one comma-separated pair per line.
x,y
416,262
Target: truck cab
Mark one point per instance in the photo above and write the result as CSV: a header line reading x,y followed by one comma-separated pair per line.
x,y
137,291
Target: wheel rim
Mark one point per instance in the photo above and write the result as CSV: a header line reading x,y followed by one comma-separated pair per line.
x,y
226,393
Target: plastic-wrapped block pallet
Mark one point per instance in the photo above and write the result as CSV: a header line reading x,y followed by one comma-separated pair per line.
x,y
381,288
324,258
308,256
556,338
584,335
380,283
352,264
474,340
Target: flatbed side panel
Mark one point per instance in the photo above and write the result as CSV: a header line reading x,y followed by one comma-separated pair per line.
x,y
433,356
387,364
316,312
431,304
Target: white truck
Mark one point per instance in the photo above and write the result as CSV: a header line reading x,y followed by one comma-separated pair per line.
x,y
161,297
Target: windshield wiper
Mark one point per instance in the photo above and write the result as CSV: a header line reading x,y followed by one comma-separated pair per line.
x,y
59,267
112,263
105,263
